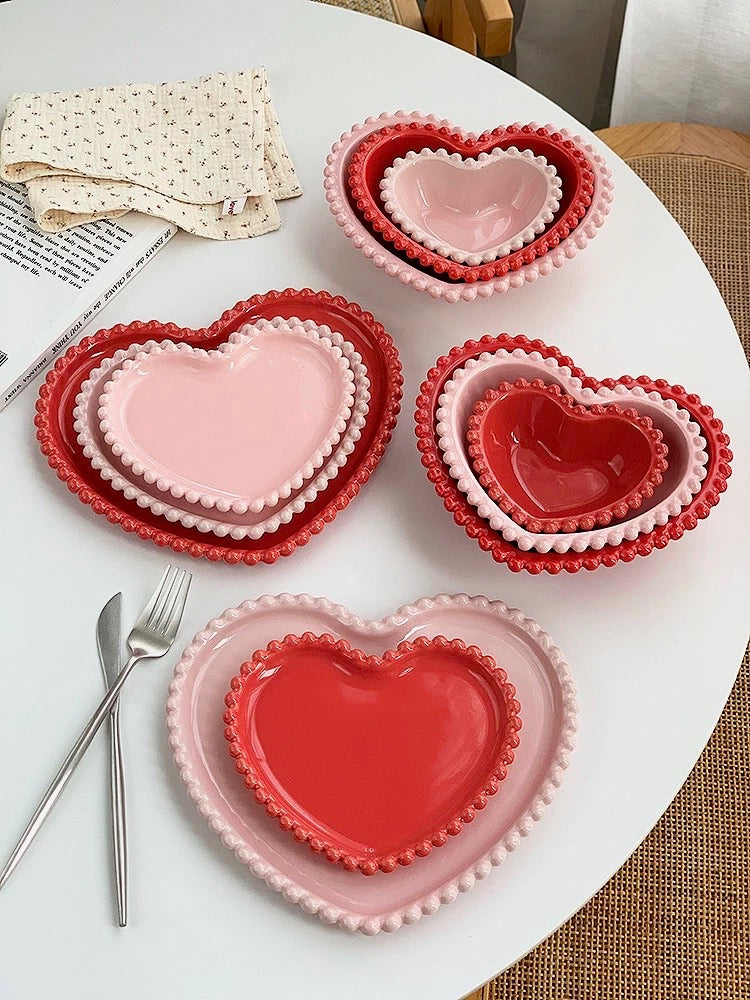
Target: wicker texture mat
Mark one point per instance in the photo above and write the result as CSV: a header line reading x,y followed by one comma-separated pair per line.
x,y
674,922
378,8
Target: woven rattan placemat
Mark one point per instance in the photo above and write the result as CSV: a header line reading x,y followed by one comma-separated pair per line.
x,y
378,8
674,922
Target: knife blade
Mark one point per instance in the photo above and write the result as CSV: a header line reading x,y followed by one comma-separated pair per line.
x,y
108,642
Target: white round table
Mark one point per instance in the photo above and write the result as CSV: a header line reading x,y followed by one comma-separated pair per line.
x,y
654,646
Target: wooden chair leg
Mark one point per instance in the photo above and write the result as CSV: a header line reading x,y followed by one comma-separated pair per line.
x,y
449,20
409,14
492,21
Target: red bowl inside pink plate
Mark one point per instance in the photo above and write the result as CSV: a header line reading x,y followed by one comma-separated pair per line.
x,y
709,494
58,438
378,152
404,749
556,466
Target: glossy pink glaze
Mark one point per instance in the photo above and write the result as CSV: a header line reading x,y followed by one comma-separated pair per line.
x,y
404,750
237,428
555,466
223,524
196,696
472,210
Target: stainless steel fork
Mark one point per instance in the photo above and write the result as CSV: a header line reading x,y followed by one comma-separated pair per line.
x,y
151,637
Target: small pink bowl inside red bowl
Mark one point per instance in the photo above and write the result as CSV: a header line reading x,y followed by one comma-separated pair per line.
x,y
555,466
379,150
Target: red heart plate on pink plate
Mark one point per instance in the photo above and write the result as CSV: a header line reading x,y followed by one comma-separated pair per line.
x,y
305,878
58,439
625,388
404,749
554,465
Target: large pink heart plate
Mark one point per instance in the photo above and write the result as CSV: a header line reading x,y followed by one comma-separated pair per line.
x,y
382,902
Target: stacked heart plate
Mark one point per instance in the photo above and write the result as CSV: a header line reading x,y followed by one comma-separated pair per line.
x,y
371,771
238,442
461,215
550,469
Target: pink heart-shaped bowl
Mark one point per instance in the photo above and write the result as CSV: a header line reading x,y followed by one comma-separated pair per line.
x,y
414,264
471,209
406,747
718,468
58,438
236,428
556,466
195,704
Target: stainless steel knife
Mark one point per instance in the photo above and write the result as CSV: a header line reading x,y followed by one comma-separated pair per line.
x,y
109,644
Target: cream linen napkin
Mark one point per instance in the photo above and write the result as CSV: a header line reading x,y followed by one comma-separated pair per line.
x,y
181,151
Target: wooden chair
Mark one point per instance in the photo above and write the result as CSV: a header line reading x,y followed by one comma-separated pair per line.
x,y
472,25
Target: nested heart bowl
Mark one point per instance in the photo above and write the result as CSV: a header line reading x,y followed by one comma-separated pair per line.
x,y
356,165
68,401
384,901
472,210
555,466
696,475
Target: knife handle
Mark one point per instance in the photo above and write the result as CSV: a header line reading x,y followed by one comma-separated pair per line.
x,y
119,825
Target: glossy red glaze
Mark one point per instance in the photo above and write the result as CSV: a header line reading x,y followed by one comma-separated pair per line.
x,y
719,468
555,466
371,760
379,150
57,438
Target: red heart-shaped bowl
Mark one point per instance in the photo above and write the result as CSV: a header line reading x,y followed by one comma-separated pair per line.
x,y
58,439
502,551
378,152
556,466
371,760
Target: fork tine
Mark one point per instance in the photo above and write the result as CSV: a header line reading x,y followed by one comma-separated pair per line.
x,y
147,611
161,597
165,602
172,623
166,609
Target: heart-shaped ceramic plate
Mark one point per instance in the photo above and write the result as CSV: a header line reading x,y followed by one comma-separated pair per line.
x,y
371,159
189,515
236,428
708,495
404,750
383,902
407,264
471,209
58,438
556,466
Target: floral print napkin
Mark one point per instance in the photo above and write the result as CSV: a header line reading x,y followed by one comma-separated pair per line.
x,y
207,155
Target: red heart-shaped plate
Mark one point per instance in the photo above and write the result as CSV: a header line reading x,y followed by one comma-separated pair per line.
x,y
372,760
58,439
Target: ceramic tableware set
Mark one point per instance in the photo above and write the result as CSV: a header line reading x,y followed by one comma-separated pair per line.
x,y
242,441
